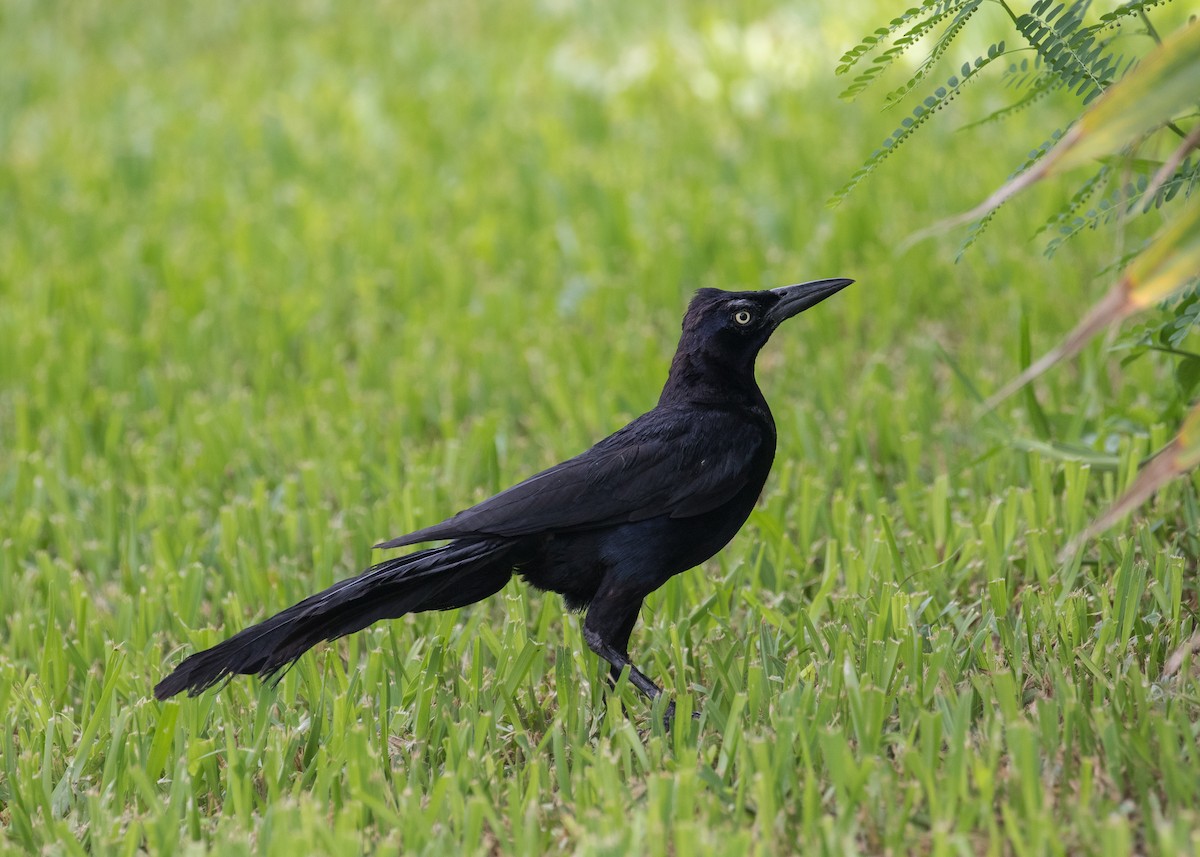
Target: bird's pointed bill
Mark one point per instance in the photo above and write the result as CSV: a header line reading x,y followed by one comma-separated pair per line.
x,y
794,300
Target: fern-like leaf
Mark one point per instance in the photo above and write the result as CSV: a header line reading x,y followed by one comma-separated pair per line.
x,y
1073,51
901,45
1019,74
1078,199
1128,198
938,50
975,230
918,19
940,97
1042,86
1125,10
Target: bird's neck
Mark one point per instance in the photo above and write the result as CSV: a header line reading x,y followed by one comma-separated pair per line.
x,y
701,378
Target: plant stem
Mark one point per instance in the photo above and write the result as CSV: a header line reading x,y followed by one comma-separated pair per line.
x,y
1150,31
1010,12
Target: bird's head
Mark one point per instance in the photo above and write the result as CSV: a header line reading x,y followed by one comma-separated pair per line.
x,y
742,321
723,331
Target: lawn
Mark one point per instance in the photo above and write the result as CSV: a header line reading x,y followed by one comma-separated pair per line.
x,y
278,281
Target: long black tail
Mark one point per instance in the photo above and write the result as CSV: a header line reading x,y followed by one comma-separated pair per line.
x,y
455,575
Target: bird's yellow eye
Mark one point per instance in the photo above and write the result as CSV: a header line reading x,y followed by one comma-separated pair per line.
x,y
742,316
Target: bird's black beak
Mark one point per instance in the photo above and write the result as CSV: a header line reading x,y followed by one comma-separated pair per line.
x,y
794,300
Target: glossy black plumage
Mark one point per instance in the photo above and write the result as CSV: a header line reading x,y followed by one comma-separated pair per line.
x,y
603,529
672,459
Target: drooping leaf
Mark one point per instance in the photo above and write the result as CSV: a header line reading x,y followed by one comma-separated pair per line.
x,y
1187,375
918,19
1066,451
1066,215
901,45
1076,53
940,97
940,46
1041,86
977,228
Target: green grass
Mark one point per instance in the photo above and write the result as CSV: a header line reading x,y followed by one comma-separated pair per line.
x,y
280,280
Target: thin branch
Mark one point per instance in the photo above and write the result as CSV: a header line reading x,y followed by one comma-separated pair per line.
x,y
1010,12
1178,352
1150,31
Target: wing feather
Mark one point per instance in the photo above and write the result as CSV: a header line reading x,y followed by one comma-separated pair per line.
x,y
681,465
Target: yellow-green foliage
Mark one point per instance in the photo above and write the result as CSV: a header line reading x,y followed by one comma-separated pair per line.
x,y
278,280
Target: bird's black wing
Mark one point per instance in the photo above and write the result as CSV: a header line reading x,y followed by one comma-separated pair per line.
x,y
662,463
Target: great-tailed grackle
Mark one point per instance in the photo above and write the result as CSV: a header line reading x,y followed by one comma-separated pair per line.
x,y
604,529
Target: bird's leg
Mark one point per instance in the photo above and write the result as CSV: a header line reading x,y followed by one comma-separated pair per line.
x,y
620,642
606,629
619,661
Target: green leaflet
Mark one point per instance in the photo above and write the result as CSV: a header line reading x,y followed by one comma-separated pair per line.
x,y
919,20
1075,52
940,97
1160,88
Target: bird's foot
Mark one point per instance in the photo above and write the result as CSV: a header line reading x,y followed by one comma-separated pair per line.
x,y
669,715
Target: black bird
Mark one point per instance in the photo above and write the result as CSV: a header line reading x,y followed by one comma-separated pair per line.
x,y
603,529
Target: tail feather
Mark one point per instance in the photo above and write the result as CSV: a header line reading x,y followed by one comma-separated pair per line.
x,y
455,575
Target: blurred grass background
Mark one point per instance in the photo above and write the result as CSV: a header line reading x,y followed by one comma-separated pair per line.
x,y
277,282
